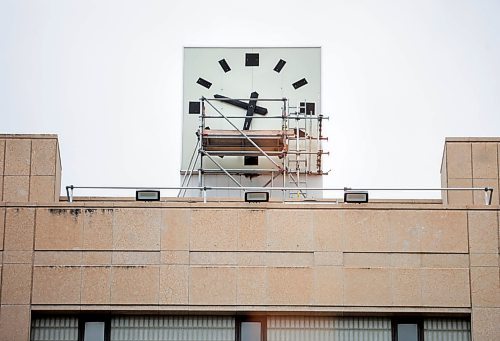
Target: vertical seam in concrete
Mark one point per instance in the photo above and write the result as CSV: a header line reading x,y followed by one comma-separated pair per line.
x,y
447,173
3,254
3,170
189,226
112,252
81,281
472,179
498,241
32,269
56,199
314,268
162,221
31,165
498,176
236,269
470,281
468,249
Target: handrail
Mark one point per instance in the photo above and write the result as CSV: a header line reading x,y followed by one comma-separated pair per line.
x,y
488,190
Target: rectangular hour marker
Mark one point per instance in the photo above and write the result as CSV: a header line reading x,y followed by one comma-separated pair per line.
x,y
251,161
224,65
204,83
308,108
251,59
279,66
194,108
299,84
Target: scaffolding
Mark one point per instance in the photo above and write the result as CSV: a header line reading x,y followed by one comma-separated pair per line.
x,y
294,151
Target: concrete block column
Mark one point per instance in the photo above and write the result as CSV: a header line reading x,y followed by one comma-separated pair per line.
x,y
484,273
17,264
30,168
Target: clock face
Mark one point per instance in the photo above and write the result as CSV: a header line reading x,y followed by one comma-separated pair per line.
x,y
251,76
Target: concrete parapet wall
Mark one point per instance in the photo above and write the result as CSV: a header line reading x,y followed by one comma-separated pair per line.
x,y
470,162
30,168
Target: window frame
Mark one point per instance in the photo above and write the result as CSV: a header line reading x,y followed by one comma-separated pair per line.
x,y
407,320
82,319
261,319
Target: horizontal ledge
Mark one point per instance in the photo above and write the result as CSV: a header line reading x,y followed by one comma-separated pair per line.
x,y
270,309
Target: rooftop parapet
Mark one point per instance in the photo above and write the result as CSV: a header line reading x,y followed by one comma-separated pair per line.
x,y
30,168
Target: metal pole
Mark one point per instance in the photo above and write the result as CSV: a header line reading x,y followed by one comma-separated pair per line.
x,y
221,168
245,135
297,148
200,143
68,195
286,140
190,173
488,194
489,190
189,166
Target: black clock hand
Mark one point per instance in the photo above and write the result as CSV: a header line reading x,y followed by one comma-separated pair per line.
x,y
242,105
251,109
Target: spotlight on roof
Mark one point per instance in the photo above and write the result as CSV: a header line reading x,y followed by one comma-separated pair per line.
x,y
256,196
356,197
147,195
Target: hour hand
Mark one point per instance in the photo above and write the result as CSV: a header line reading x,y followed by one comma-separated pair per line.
x,y
242,105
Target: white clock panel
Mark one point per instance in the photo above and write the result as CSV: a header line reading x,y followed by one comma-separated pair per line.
x,y
272,73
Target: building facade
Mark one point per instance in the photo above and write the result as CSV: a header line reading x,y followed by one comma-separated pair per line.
x,y
117,269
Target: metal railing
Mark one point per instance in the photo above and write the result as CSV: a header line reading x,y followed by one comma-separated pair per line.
x,y
488,191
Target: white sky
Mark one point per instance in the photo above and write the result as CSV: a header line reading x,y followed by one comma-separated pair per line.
x,y
106,76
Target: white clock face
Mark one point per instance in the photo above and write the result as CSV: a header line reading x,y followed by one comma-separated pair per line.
x,y
268,73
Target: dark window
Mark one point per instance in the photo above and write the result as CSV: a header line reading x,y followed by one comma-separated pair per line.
x,y
251,161
251,329
251,59
407,329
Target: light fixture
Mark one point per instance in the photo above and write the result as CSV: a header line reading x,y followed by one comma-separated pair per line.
x,y
356,197
256,196
147,195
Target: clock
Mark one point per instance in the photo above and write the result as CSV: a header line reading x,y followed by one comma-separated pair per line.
x,y
248,86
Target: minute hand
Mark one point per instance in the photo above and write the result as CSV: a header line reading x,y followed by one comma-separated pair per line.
x,y
242,105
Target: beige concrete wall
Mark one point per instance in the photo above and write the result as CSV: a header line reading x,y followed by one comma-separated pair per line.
x,y
242,257
306,258
470,162
299,258
30,168
484,230
18,230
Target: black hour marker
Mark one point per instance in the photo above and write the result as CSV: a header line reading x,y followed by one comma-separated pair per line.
x,y
299,84
204,83
224,65
194,108
307,108
251,161
279,66
251,59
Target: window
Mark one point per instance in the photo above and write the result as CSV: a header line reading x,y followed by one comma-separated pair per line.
x,y
251,329
407,330
94,328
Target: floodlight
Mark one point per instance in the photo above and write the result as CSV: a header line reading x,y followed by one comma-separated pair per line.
x,y
356,197
147,195
256,196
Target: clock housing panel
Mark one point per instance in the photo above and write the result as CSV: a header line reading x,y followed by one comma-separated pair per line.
x,y
240,82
